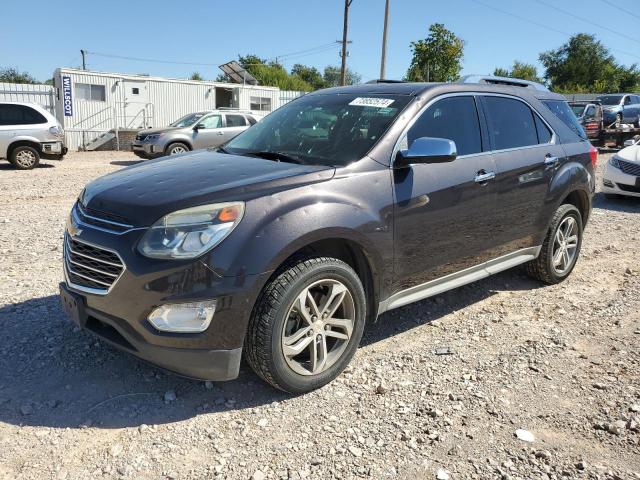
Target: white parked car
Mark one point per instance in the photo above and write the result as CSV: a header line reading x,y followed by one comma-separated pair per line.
x,y
622,172
28,133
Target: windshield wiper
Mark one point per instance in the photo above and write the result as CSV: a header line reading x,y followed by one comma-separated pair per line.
x,y
277,156
222,150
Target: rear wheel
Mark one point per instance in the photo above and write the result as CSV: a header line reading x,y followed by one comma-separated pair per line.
x,y
24,157
306,325
176,148
561,247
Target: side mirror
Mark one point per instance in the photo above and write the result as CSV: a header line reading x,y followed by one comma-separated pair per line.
x,y
198,126
427,150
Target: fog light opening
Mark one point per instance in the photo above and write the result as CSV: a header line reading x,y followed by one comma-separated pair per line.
x,y
607,183
183,317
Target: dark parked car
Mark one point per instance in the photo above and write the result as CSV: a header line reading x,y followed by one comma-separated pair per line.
x,y
590,116
620,108
285,242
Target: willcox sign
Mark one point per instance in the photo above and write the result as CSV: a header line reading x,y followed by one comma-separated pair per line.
x,y
67,100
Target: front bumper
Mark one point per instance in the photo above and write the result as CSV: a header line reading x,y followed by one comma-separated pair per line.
x,y
147,150
119,314
617,182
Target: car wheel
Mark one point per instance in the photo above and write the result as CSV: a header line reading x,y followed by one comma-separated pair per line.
x,y
306,325
561,247
176,148
24,158
618,120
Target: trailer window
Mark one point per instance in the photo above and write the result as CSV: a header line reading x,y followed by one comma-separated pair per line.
x,y
261,104
87,91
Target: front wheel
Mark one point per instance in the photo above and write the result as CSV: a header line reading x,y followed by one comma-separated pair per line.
x,y
176,148
306,325
561,247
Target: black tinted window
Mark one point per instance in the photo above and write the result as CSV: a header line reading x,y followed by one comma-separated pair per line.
x,y
561,109
454,118
20,115
511,123
236,121
544,134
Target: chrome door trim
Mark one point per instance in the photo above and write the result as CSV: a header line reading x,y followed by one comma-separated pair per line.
x,y
458,279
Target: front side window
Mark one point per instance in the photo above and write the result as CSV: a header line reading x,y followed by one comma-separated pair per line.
x,y
87,91
261,104
20,115
187,120
511,123
323,129
453,118
236,121
212,121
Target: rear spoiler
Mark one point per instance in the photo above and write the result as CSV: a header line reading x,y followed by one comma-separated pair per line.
x,y
507,81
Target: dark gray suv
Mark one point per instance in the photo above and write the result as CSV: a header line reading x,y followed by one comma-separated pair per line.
x,y
341,205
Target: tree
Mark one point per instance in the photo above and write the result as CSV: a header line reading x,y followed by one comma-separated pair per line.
x,y
332,76
585,64
437,58
196,76
12,75
272,74
521,70
311,75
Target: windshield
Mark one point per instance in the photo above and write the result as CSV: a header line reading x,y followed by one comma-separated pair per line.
x,y
333,129
610,99
187,120
577,109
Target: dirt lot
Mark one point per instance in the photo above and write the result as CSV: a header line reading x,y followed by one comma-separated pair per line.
x,y
561,363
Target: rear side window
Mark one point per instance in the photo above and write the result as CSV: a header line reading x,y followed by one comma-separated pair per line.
x,y
453,118
511,123
236,121
561,109
20,115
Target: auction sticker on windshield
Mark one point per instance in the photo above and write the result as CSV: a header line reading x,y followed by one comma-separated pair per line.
x,y
371,102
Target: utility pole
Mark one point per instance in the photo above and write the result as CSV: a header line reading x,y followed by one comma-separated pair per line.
x,y
343,67
383,60
84,63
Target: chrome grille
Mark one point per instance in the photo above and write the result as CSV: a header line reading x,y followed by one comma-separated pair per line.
x,y
102,220
90,268
630,168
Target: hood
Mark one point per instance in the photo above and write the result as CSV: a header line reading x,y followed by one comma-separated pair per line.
x,y
143,193
159,130
630,154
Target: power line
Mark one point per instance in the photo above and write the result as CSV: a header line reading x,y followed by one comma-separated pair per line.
x,y
628,12
586,20
542,25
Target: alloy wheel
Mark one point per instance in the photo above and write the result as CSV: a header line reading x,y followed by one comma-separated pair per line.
x,y
318,327
25,159
565,245
177,149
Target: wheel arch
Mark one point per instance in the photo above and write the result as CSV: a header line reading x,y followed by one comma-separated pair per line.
x,y
25,142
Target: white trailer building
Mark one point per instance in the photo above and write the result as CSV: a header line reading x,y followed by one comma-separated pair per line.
x,y
94,107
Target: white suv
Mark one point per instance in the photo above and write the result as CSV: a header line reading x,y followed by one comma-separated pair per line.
x,y
28,133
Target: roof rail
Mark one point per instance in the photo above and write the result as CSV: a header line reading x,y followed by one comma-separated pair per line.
x,y
511,82
385,80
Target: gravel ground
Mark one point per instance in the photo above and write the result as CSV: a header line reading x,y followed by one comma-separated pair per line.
x,y
504,378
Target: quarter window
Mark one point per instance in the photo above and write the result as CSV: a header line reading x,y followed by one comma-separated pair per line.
x,y
88,91
236,121
20,115
544,134
260,103
511,123
453,118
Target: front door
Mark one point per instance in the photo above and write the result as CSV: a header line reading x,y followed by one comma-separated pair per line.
x,y
444,212
210,132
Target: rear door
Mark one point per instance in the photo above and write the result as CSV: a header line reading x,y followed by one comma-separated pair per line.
x,y
526,154
234,124
210,132
443,213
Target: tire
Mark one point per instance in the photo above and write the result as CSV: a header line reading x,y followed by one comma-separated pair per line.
x,y
24,157
276,317
176,148
543,268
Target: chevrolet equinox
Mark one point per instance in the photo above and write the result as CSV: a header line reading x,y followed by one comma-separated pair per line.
x,y
341,205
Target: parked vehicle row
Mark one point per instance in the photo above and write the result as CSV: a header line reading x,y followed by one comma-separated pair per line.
x,y
206,129
344,203
28,133
620,108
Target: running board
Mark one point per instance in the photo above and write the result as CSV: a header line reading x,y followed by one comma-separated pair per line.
x,y
455,280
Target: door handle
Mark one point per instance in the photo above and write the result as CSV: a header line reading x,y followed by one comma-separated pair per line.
x,y
550,161
220,133
482,176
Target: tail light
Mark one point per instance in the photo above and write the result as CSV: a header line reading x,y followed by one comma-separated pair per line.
x,y
593,154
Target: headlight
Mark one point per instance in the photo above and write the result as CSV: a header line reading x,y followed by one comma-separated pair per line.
x,y
614,162
152,138
56,130
191,232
